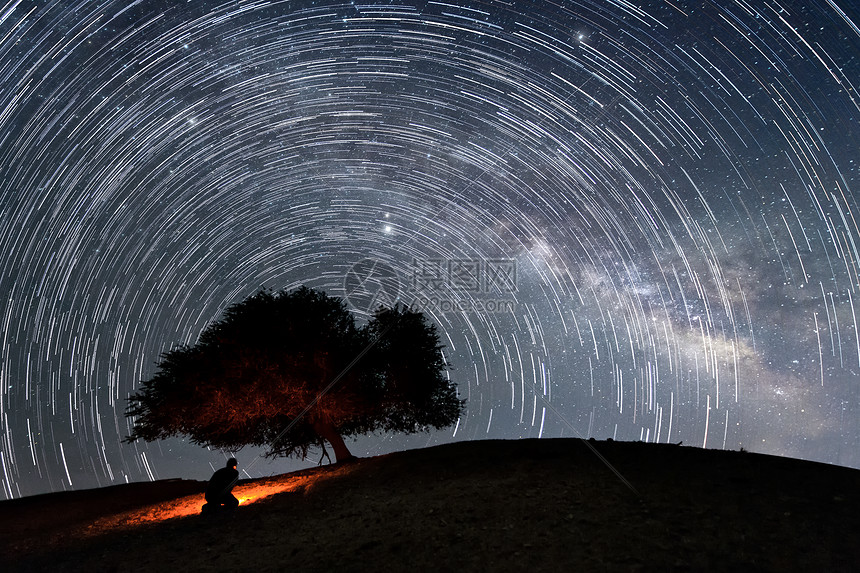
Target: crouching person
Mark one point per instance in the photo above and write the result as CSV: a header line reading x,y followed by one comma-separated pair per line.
x,y
218,491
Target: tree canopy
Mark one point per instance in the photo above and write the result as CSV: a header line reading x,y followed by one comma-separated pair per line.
x,y
289,369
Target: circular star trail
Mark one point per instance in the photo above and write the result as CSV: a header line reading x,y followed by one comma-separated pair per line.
x,y
628,222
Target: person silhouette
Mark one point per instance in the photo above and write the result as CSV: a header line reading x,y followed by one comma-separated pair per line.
x,y
218,489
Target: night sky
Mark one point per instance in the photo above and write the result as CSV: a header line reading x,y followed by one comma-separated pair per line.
x,y
637,222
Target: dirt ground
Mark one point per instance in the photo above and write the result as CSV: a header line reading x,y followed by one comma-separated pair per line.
x,y
536,505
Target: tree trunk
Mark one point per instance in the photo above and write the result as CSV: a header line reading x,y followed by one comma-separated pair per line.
x,y
326,430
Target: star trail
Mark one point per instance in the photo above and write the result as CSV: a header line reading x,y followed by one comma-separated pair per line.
x,y
636,222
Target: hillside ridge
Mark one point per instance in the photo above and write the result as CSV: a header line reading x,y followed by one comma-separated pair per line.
x,y
473,506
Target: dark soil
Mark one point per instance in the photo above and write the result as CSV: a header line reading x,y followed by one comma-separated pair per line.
x,y
536,505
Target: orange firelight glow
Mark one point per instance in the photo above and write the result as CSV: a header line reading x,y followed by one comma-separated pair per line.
x,y
247,493
251,492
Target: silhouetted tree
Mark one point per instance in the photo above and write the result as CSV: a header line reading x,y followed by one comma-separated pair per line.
x,y
289,369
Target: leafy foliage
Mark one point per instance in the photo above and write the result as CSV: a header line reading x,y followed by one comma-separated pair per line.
x,y
278,367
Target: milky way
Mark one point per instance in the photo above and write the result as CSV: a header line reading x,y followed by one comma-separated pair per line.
x,y
628,222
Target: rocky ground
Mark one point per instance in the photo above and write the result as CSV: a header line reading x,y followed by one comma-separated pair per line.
x,y
536,505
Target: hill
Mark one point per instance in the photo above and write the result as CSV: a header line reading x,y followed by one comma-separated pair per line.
x,y
537,505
